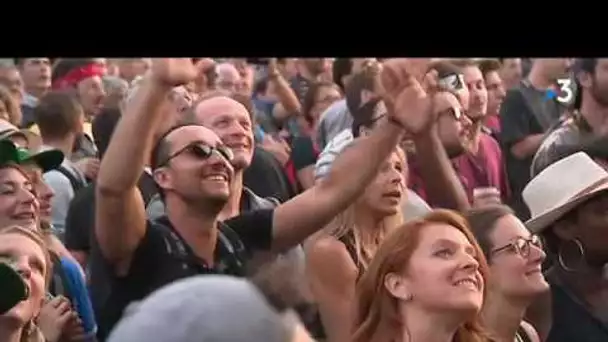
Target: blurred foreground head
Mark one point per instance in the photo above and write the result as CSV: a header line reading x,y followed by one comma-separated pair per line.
x,y
207,308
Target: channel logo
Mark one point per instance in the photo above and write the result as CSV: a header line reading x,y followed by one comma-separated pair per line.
x,y
562,91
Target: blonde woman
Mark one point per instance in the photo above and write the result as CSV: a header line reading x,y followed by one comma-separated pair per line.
x,y
339,254
25,250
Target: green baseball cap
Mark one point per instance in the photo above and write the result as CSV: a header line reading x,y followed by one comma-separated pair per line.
x,y
8,152
46,159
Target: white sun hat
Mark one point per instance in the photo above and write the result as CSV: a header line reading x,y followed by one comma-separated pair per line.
x,y
561,187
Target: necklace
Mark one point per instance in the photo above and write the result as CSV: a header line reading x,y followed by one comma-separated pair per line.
x,y
518,338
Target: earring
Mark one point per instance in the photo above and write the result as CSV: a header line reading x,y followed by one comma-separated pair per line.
x,y
581,258
409,297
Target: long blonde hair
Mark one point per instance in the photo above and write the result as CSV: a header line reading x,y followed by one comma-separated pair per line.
x,y
345,226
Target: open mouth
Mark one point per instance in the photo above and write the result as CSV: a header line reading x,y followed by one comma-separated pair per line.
x,y
26,216
45,208
468,282
393,194
219,176
239,146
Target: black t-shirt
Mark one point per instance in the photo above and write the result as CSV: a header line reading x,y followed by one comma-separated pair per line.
x,y
154,264
525,111
267,178
80,218
303,153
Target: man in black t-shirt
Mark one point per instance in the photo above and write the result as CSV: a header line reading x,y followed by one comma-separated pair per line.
x,y
266,177
193,169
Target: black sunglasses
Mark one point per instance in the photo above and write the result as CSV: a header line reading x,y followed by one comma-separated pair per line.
x,y
521,245
201,151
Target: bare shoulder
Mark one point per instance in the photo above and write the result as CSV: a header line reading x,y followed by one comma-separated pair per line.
x,y
328,255
531,331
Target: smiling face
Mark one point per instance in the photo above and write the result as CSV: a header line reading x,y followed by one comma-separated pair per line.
x,y
18,204
516,260
231,121
43,191
194,169
443,274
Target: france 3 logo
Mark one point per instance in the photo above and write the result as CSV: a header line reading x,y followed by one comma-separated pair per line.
x,y
562,91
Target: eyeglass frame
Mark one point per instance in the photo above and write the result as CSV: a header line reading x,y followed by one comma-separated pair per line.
x,y
527,245
224,151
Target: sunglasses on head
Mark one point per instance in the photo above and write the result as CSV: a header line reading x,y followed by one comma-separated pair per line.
x,y
201,151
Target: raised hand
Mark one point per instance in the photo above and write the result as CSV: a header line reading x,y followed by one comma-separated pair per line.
x,y
89,167
173,72
273,67
407,89
53,318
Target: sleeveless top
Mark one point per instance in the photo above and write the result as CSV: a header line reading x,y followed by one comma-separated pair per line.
x,y
315,325
348,242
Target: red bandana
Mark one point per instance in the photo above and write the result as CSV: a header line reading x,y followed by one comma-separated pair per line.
x,y
76,75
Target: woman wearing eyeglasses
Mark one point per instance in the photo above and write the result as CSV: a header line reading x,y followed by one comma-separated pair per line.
x,y
514,257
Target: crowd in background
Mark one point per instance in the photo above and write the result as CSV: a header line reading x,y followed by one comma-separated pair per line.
x,y
304,199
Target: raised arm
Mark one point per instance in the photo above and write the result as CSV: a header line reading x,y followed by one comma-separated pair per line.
x,y
440,179
408,107
120,218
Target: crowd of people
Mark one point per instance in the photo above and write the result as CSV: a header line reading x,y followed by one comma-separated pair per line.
x,y
304,199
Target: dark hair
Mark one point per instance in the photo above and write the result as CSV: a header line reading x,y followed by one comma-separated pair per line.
x,y
20,61
340,68
261,86
483,221
57,114
359,82
488,65
465,62
587,65
444,68
311,97
103,127
364,116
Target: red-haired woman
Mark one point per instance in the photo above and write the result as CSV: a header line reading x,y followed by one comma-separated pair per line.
x,y
425,284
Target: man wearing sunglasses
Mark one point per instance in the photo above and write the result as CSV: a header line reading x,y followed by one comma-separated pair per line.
x,y
194,172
